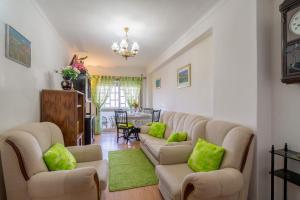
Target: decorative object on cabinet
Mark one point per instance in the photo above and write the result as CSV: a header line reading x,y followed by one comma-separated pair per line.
x,y
68,73
285,174
184,76
290,28
17,47
67,110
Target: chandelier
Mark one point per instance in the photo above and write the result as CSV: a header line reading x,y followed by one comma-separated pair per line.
x,y
122,49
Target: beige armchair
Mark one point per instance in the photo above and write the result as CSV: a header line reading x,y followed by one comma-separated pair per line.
x,y
231,182
26,176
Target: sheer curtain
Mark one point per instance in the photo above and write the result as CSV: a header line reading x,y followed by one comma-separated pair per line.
x,y
132,89
100,88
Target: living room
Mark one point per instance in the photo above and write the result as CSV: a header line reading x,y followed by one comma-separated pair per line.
x,y
198,63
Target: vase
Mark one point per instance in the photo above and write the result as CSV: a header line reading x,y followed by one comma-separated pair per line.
x,y
67,83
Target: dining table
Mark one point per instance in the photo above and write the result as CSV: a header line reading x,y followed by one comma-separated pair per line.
x,y
139,118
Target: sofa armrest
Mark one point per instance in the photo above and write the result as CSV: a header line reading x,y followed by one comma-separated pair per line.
x,y
58,183
174,154
86,153
212,185
145,129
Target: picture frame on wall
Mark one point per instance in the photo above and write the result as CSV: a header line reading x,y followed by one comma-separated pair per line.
x,y
17,47
184,76
158,83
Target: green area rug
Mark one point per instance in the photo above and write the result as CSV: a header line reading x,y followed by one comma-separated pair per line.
x,y
130,169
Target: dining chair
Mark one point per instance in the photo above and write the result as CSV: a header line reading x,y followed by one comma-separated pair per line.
x,y
121,119
156,115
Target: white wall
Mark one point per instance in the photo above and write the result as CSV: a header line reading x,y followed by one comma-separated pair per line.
x,y
20,86
169,97
234,50
234,75
285,107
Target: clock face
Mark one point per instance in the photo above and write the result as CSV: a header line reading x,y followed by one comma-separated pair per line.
x,y
295,23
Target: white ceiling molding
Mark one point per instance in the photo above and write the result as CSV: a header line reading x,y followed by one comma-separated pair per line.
x,y
201,29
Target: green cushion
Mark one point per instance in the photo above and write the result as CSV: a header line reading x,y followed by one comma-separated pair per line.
x,y
59,157
157,129
206,157
130,125
177,137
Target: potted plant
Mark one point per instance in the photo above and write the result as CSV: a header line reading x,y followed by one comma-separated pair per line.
x,y
68,73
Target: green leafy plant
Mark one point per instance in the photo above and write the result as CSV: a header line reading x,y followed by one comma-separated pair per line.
x,y
69,72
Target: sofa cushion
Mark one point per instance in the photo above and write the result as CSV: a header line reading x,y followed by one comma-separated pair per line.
x,y
177,137
171,177
157,129
102,170
206,157
145,138
59,157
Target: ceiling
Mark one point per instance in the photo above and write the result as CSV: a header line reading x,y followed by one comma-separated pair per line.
x,y
91,26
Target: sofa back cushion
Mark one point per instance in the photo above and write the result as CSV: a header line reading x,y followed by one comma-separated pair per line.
x,y
235,139
193,124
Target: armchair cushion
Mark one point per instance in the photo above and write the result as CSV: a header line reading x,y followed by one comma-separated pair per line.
x,y
174,154
157,129
206,157
59,157
59,183
86,153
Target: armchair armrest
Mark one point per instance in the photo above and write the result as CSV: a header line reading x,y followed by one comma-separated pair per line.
x,y
58,183
145,129
174,154
212,185
86,153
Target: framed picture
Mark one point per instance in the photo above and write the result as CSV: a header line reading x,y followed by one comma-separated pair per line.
x,y
17,47
184,76
158,83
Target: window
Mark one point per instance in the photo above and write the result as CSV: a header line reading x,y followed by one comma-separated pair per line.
x,y
117,97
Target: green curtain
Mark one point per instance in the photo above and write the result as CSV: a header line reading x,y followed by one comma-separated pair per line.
x,y
100,88
132,89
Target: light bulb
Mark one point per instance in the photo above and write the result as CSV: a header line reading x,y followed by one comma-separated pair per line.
x,y
124,44
115,47
135,47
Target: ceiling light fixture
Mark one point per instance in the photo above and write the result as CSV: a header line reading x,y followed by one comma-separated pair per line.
x,y
122,49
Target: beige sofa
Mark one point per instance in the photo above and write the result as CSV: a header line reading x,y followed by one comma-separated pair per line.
x,y
26,176
231,182
161,153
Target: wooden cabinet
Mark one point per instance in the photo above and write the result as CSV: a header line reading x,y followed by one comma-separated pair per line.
x,y
67,110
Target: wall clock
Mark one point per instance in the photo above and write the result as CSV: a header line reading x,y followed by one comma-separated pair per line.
x,y
290,25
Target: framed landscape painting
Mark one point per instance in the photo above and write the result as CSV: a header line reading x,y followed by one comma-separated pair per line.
x,y
158,83
184,76
17,47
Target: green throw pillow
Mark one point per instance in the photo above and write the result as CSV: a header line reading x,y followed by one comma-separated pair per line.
x,y
59,157
157,129
206,157
177,137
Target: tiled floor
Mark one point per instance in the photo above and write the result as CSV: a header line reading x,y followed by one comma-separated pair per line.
x,y
108,142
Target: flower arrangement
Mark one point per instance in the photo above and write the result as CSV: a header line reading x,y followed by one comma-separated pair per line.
x,y
69,73
78,63
134,104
